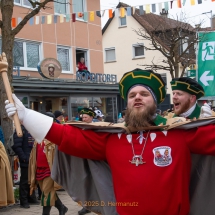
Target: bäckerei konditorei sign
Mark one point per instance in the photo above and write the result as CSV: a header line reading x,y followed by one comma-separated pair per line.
x,y
49,68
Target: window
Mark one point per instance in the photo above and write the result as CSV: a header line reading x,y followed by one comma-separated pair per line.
x,y
61,7
110,55
122,21
26,54
63,55
78,6
138,50
25,3
185,44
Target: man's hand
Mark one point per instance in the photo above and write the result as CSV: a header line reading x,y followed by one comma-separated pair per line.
x,y
11,108
205,111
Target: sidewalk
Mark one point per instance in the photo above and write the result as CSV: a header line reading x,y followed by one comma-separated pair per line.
x,y
72,206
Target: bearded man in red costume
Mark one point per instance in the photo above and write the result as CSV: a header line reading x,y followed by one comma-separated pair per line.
x,y
139,180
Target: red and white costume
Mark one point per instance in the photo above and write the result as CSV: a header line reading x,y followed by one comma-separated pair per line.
x,y
148,189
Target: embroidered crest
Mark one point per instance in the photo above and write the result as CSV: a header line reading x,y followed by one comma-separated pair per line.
x,y
162,156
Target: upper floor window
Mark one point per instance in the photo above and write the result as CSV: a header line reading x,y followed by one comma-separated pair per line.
x,y
79,6
25,3
110,55
122,21
26,54
63,55
61,7
138,50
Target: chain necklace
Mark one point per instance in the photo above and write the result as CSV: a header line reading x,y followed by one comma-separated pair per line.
x,y
138,159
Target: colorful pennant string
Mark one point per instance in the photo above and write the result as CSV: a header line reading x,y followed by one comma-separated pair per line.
x,y
92,16
122,12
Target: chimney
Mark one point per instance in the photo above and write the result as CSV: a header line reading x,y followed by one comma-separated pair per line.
x,y
164,13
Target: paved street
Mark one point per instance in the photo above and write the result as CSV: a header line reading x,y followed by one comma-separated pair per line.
x,y
73,208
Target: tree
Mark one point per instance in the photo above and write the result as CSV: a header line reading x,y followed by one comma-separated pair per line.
x,y
176,40
8,35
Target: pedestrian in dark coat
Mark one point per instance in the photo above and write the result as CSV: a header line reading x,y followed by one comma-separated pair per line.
x,y
22,147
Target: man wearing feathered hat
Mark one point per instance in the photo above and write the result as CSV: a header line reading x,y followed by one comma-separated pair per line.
x,y
142,185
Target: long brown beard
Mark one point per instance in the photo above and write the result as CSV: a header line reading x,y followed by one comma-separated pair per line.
x,y
139,119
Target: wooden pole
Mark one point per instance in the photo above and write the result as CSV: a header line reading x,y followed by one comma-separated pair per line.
x,y
3,70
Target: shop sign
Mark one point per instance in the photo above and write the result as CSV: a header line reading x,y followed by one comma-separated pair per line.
x,y
49,68
96,77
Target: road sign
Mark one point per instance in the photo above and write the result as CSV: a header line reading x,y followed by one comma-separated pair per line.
x,y
206,62
191,73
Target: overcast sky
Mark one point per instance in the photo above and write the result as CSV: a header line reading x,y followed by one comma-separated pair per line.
x,y
193,13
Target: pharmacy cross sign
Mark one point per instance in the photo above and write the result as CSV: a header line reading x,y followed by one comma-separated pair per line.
x,y
206,62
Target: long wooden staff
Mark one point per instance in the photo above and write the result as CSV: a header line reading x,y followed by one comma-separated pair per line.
x,y
3,70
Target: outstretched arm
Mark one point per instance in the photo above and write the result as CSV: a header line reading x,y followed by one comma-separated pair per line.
x,y
77,142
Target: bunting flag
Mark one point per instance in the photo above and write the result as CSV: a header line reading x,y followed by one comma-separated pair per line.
x,y
148,8
199,1
141,10
85,16
103,12
80,14
37,20
13,22
61,18
43,19
166,6
74,17
110,13
184,2
116,12
31,21
55,18
153,8
68,17
128,11
19,20
192,2
92,16
171,2
49,19
98,13
179,3
122,12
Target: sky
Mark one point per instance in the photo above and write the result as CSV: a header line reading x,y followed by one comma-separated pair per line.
x,y
192,14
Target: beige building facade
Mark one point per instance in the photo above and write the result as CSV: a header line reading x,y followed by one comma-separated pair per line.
x,y
123,49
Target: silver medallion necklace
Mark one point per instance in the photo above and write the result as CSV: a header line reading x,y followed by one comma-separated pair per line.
x,y
138,159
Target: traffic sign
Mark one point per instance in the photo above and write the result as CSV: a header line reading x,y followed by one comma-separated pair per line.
x,y
206,62
191,73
